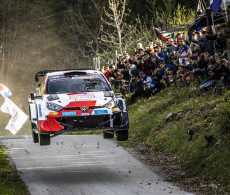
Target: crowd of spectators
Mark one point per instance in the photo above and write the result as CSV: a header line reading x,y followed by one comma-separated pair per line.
x,y
176,61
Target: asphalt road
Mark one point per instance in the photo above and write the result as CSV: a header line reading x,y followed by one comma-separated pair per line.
x,y
83,165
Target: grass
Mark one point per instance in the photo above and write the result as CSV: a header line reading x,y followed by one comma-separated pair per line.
x,y
87,133
205,113
10,181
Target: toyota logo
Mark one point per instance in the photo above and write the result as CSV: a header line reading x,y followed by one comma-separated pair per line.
x,y
84,109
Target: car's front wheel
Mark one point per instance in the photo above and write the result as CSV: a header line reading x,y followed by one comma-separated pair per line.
x,y
35,137
34,134
122,135
44,139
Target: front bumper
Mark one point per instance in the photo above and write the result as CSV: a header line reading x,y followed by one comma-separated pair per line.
x,y
83,123
91,122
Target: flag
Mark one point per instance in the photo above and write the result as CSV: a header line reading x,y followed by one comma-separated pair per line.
x,y
4,91
215,5
18,116
162,34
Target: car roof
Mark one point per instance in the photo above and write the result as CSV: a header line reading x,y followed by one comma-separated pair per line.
x,y
69,71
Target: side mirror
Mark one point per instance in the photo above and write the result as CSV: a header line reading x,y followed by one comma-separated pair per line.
x,y
32,95
29,100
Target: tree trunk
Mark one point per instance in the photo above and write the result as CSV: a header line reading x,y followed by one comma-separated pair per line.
x,y
120,43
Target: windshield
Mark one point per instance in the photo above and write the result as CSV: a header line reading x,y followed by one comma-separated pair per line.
x,y
76,83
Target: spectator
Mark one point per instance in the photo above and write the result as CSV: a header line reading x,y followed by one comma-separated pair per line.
x,y
146,80
183,51
139,46
204,42
170,46
133,71
183,75
152,70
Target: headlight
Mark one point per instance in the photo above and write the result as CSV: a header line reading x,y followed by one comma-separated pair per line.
x,y
111,104
54,107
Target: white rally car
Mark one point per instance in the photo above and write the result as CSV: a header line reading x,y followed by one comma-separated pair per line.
x,y
76,100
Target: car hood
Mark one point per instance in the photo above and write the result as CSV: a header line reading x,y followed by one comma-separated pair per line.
x,y
100,98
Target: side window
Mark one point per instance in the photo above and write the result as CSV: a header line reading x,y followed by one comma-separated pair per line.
x,y
42,88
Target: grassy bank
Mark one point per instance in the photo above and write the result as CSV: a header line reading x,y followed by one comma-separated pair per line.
x,y
205,113
10,181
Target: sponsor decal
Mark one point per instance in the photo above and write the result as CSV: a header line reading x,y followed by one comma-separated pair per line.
x,y
101,111
84,114
69,113
77,97
40,110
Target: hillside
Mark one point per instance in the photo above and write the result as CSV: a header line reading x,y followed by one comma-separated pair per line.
x,y
154,129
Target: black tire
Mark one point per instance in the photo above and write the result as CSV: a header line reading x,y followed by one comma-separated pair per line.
x,y
35,137
122,135
34,134
44,139
108,135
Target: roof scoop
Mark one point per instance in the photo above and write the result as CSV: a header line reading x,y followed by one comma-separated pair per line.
x,y
74,74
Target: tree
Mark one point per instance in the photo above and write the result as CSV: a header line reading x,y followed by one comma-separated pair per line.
x,y
179,15
80,27
170,11
115,22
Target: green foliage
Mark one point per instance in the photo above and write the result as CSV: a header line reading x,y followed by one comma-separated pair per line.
x,y
180,15
87,133
119,34
204,113
10,181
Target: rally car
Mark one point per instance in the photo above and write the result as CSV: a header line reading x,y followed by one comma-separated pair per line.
x,y
76,100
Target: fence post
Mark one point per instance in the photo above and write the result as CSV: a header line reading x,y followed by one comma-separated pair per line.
x,y
93,63
96,63
99,63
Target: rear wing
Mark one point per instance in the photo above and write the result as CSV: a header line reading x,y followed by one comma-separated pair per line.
x,y
44,72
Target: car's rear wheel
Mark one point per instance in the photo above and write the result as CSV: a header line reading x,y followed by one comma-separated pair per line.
x,y
122,135
44,139
107,135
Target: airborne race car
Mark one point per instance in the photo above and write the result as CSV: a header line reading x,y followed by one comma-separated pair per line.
x,y
76,100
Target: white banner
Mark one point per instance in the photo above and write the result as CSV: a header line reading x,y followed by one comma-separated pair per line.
x,y
4,91
18,116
